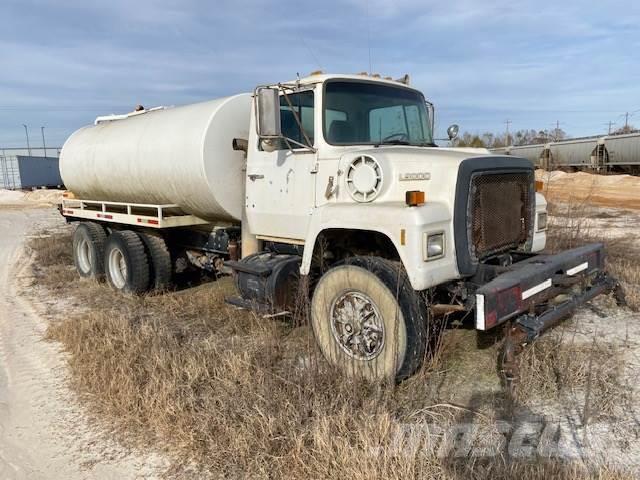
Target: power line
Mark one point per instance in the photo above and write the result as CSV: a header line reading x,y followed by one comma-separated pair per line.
x,y
311,52
626,116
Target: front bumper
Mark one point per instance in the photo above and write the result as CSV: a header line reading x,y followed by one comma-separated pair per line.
x,y
539,291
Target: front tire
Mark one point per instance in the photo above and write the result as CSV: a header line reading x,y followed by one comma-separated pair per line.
x,y
368,320
126,263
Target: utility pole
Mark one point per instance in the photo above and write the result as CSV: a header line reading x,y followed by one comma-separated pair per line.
x,y
26,131
626,116
611,124
44,145
506,140
556,132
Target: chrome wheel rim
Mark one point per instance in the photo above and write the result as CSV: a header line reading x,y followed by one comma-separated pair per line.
x,y
357,325
83,254
117,268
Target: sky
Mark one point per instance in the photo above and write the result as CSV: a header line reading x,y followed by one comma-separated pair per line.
x,y
535,63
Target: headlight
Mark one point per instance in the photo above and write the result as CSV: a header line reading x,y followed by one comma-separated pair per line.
x,y
542,221
433,246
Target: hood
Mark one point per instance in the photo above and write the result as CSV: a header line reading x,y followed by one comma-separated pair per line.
x,y
385,174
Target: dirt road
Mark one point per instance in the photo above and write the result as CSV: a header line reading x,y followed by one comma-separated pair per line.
x,y
43,434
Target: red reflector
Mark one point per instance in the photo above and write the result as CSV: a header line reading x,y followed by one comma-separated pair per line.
x,y
147,220
105,216
510,300
490,320
69,212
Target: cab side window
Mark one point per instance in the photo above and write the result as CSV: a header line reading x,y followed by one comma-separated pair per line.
x,y
303,105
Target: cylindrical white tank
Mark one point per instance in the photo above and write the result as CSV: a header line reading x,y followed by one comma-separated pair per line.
x,y
180,155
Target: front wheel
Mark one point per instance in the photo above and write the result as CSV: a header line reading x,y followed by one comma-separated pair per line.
x,y
368,321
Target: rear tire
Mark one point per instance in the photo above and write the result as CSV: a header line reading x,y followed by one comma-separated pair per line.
x,y
161,266
88,250
125,262
368,320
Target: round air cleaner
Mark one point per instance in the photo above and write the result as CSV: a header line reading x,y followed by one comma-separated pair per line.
x,y
364,178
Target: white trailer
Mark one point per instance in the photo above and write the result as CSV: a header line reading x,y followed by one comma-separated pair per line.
x,y
332,182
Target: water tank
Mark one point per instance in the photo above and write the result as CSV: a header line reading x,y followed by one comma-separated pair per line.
x,y
181,155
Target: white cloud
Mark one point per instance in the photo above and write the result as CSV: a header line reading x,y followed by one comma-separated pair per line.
x,y
480,62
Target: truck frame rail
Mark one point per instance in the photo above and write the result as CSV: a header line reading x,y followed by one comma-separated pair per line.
x,y
140,214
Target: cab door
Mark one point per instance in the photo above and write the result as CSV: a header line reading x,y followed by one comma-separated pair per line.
x,y
281,183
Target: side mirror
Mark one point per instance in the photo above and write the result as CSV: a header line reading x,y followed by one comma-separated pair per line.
x,y
452,131
268,121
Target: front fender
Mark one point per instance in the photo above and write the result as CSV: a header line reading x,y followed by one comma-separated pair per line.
x,y
389,219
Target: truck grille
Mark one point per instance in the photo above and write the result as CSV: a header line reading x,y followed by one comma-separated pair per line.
x,y
500,212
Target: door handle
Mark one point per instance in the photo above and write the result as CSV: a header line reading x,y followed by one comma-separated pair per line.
x,y
253,177
331,188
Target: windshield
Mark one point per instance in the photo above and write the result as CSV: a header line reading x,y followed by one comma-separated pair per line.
x,y
358,113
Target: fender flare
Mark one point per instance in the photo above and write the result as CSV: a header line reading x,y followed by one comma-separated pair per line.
x,y
387,219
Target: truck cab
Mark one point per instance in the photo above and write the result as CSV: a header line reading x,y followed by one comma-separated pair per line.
x,y
344,154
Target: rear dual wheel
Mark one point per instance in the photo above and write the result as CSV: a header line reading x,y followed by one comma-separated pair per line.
x,y
137,262
89,241
131,262
161,267
126,264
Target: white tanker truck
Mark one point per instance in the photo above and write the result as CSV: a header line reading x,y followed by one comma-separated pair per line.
x,y
333,182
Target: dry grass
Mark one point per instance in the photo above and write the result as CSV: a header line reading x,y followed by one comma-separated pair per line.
x,y
572,225
228,394
557,368
53,249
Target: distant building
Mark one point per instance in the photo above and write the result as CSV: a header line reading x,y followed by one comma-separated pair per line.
x,y
19,170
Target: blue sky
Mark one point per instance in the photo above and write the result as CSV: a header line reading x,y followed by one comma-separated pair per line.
x,y
63,62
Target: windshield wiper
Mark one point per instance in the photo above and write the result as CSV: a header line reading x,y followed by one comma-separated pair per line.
x,y
392,142
404,142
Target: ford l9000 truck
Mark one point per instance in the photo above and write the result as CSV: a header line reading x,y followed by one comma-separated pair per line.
x,y
333,182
